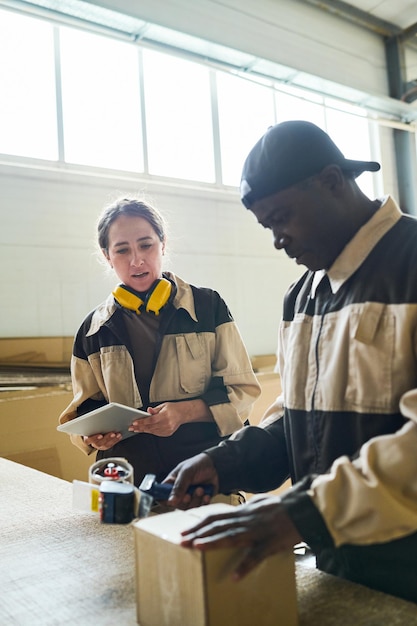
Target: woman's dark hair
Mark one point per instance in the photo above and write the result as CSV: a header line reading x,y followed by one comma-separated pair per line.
x,y
133,207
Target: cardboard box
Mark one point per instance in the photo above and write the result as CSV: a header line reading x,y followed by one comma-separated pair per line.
x,y
177,586
28,434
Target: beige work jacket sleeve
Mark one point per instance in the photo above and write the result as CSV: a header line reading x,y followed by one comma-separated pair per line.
x,y
373,499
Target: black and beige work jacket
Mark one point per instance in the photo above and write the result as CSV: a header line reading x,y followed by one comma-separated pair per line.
x,y
200,354
345,427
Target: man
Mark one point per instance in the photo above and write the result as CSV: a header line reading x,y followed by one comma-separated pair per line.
x,y
345,427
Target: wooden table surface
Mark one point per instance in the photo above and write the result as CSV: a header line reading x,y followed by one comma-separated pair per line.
x,y
60,566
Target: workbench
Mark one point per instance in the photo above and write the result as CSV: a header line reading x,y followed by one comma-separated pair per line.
x,y
61,566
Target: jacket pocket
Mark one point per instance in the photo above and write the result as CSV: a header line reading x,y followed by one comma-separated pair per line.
x,y
371,357
113,366
193,363
297,368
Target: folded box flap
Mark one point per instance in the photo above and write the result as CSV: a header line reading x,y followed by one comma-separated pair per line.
x,y
170,525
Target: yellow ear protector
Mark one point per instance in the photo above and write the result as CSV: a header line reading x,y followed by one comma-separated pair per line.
x,y
155,300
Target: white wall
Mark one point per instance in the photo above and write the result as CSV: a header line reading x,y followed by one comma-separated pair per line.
x,y
51,275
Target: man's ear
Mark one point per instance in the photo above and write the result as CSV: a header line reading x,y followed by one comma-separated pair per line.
x,y
332,178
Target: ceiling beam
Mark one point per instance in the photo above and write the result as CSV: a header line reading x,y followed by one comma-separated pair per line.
x,y
358,16
408,32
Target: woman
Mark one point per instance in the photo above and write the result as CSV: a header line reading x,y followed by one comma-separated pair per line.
x,y
160,345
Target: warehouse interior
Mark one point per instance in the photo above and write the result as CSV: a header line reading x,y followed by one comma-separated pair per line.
x,y
362,55
162,100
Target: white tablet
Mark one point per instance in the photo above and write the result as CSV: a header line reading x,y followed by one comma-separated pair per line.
x,y
112,417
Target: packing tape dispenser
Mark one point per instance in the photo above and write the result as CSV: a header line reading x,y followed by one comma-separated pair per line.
x,y
110,491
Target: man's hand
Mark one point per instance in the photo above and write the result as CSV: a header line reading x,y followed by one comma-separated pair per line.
x,y
262,527
199,469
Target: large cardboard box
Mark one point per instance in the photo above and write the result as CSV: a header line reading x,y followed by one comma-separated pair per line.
x,y
28,434
177,586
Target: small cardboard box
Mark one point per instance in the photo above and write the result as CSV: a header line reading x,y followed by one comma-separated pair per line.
x,y
177,586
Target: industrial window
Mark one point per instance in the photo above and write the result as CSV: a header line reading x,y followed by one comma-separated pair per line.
x,y
178,117
101,109
246,110
77,97
28,121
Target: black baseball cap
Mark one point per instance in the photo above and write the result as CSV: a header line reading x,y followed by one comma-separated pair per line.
x,y
289,153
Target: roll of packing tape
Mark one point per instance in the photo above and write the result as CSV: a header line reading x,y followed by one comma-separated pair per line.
x,y
116,502
115,469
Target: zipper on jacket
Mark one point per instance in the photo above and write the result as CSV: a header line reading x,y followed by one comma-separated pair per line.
x,y
316,443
